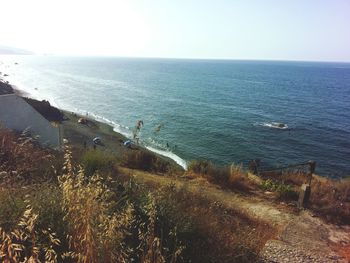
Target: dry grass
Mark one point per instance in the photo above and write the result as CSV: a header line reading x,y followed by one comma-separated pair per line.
x,y
98,161
211,232
331,199
145,161
102,224
95,223
294,178
19,156
232,176
27,243
238,179
101,229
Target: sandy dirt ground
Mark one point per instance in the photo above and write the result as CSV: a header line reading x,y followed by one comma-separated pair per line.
x,y
302,237
77,134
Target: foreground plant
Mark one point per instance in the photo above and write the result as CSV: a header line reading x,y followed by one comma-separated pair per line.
x,y
27,243
103,230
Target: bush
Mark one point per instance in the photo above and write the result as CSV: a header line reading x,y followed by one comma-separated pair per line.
x,y
238,179
97,160
145,161
284,191
202,167
226,176
331,199
295,177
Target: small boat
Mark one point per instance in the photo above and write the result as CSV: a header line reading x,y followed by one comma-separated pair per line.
x,y
276,125
279,125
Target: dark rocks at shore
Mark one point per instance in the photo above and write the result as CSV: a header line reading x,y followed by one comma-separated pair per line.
x,y
5,88
45,109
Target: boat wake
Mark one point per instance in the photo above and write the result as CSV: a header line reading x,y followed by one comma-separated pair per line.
x,y
275,125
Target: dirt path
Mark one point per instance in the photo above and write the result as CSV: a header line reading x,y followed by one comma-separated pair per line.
x,y
302,236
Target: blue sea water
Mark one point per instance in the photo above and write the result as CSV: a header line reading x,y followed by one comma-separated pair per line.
x,y
220,110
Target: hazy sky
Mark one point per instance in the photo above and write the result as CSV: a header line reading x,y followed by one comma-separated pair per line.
x,y
238,29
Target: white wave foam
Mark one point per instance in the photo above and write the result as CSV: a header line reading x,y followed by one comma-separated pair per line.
x,y
170,155
124,130
30,92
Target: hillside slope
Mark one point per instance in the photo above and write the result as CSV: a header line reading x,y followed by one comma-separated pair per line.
x,y
302,237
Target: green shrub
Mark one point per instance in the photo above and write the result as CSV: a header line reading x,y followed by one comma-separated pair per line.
x,y
97,160
284,191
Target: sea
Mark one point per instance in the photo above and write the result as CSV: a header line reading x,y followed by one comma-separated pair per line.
x,y
225,111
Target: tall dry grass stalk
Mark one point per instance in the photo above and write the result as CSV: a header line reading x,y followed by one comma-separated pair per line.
x,y
19,157
99,226
26,243
236,174
95,232
100,231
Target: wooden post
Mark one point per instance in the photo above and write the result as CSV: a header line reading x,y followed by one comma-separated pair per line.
x,y
304,196
312,165
305,190
254,166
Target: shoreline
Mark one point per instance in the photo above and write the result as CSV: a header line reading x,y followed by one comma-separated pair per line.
x,y
102,121
66,104
112,140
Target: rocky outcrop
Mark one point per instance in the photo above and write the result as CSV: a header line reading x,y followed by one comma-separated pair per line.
x,y
46,110
5,88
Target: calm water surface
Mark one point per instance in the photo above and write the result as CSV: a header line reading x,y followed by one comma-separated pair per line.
x,y
223,111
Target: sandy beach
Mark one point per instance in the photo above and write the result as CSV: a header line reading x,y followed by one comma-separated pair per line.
x,y
80,136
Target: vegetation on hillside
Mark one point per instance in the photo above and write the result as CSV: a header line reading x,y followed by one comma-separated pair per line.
x,y
5,87
71,215
329,198
146,161
54,210
232,176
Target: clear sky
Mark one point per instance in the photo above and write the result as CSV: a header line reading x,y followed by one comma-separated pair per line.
x,y
236,29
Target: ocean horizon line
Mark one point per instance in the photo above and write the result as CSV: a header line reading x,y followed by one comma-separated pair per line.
x,y
183,58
